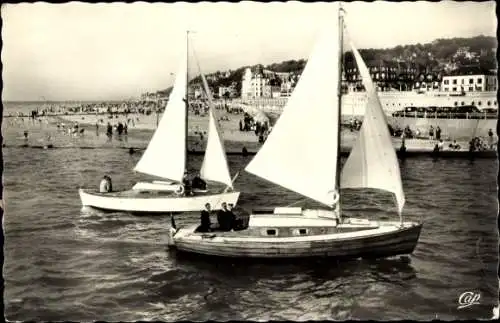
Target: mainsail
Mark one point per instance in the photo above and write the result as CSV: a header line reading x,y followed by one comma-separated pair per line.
x,y
214,166
372,162
165,155
300,153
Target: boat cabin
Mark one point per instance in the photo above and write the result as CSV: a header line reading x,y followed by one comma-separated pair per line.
x,y
283,222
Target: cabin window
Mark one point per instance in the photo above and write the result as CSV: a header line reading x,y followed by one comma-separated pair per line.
x,y
272,232
479,103
456,103
463,103
302,231
489,103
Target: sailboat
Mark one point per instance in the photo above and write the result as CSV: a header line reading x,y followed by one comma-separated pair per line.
x,y
166,158
307,162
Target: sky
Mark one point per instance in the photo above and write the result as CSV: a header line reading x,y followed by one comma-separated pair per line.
x,y
81,51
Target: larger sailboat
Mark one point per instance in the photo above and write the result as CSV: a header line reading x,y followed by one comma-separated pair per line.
x,y
307,162
166,158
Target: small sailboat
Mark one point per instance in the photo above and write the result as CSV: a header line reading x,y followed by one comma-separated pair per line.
x,y
307,162
166,158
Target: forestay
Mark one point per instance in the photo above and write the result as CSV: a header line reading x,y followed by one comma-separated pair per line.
x,y
372,162
214,166
165,155
300,153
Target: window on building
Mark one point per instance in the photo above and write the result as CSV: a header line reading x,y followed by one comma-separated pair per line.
x,y
454,82
463,103
456,103
471,88
489,103
471,81
446,82
479,81
446,89
494,102
479,103
454,89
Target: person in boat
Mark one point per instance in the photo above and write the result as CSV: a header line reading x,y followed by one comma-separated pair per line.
x,y
105,185
187,184
223,218
205,219
199,183
440,145
233,223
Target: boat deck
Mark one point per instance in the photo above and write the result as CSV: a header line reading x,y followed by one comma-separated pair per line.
x,y
144,194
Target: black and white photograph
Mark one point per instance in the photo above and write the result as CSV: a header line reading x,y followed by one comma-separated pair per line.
x,y
249,161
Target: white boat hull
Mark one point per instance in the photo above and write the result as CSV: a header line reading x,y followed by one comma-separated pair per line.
x,y
358,238
138,202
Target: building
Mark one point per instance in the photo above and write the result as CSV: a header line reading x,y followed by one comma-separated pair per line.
x,y
469,80
229,91
255,85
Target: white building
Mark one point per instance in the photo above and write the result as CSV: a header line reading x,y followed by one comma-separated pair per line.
x,y
255,85
469,83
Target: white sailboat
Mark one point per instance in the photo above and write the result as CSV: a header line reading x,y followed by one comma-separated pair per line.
x,y
166,158
307,162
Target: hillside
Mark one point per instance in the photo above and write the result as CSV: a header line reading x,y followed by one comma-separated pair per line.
x,y
423,56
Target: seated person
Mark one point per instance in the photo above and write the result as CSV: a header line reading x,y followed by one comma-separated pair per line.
x,y
199,183
187,184
224,218
231,216
205,219
105,185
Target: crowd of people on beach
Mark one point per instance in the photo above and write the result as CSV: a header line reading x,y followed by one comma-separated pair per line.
x,y
261,129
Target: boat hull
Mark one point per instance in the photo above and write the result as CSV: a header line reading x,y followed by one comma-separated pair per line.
x,y
388,240
131,201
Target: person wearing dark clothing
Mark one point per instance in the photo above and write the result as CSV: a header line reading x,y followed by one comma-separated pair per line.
x,y
109,131
490,139
119,128
471,145
199,183
187,184
224,218
438,133
205,219
241,125
233,224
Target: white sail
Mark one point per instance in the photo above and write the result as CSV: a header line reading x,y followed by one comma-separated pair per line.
x,y
166,153
300,153
214,166
372,162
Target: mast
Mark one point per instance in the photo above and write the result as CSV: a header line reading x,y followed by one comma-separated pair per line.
x,y
341,40
187,102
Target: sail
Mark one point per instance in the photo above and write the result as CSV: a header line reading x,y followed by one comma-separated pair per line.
x,y
300,153
372,162
214,166
166,153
